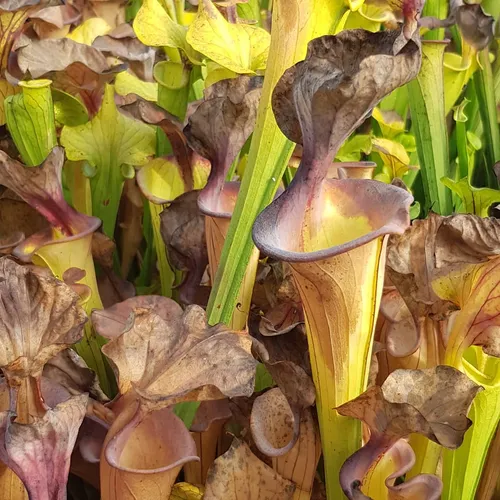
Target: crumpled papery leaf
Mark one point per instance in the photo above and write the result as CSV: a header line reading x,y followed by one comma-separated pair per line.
x,y
352,86
183,231
39,317
240,475
168,355
233,104
12,5
475,26
447,263
39,452
40,57
54,21
70,371
432,402
122,42
281,303
242,48
286,357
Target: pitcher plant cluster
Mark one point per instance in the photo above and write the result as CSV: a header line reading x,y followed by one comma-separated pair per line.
x,y
250,249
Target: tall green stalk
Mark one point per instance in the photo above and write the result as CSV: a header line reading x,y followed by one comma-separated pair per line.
x,y
295,22
427,105
485,93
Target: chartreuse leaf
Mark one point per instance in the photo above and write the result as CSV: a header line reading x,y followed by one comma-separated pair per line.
x,y
396,162
6,90
242,48
30,120
126,83
462,468
89,30
250,11
153,26
294,23
109,141
457,72
351,150
474,200
161,181
68,110
426,95
390,124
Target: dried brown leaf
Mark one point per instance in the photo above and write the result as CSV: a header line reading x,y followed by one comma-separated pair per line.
x,y
475,26
239,474
169,355
39,317
321,100
40,57
183,231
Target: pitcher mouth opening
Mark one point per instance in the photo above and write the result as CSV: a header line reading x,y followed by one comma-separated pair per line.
x,y
345,214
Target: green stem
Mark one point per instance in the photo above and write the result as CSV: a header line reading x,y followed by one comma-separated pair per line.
x,y
295,22
427,105
167,275
439,9
485,88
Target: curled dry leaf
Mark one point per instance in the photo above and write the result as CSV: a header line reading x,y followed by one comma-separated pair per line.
x,y
43,56
432,402
286,358
70,371
183,231
39,317
319,108
39,452
447,263
239,474
232,104
154,115
475,26
281,303
12,5
122,42
168,355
